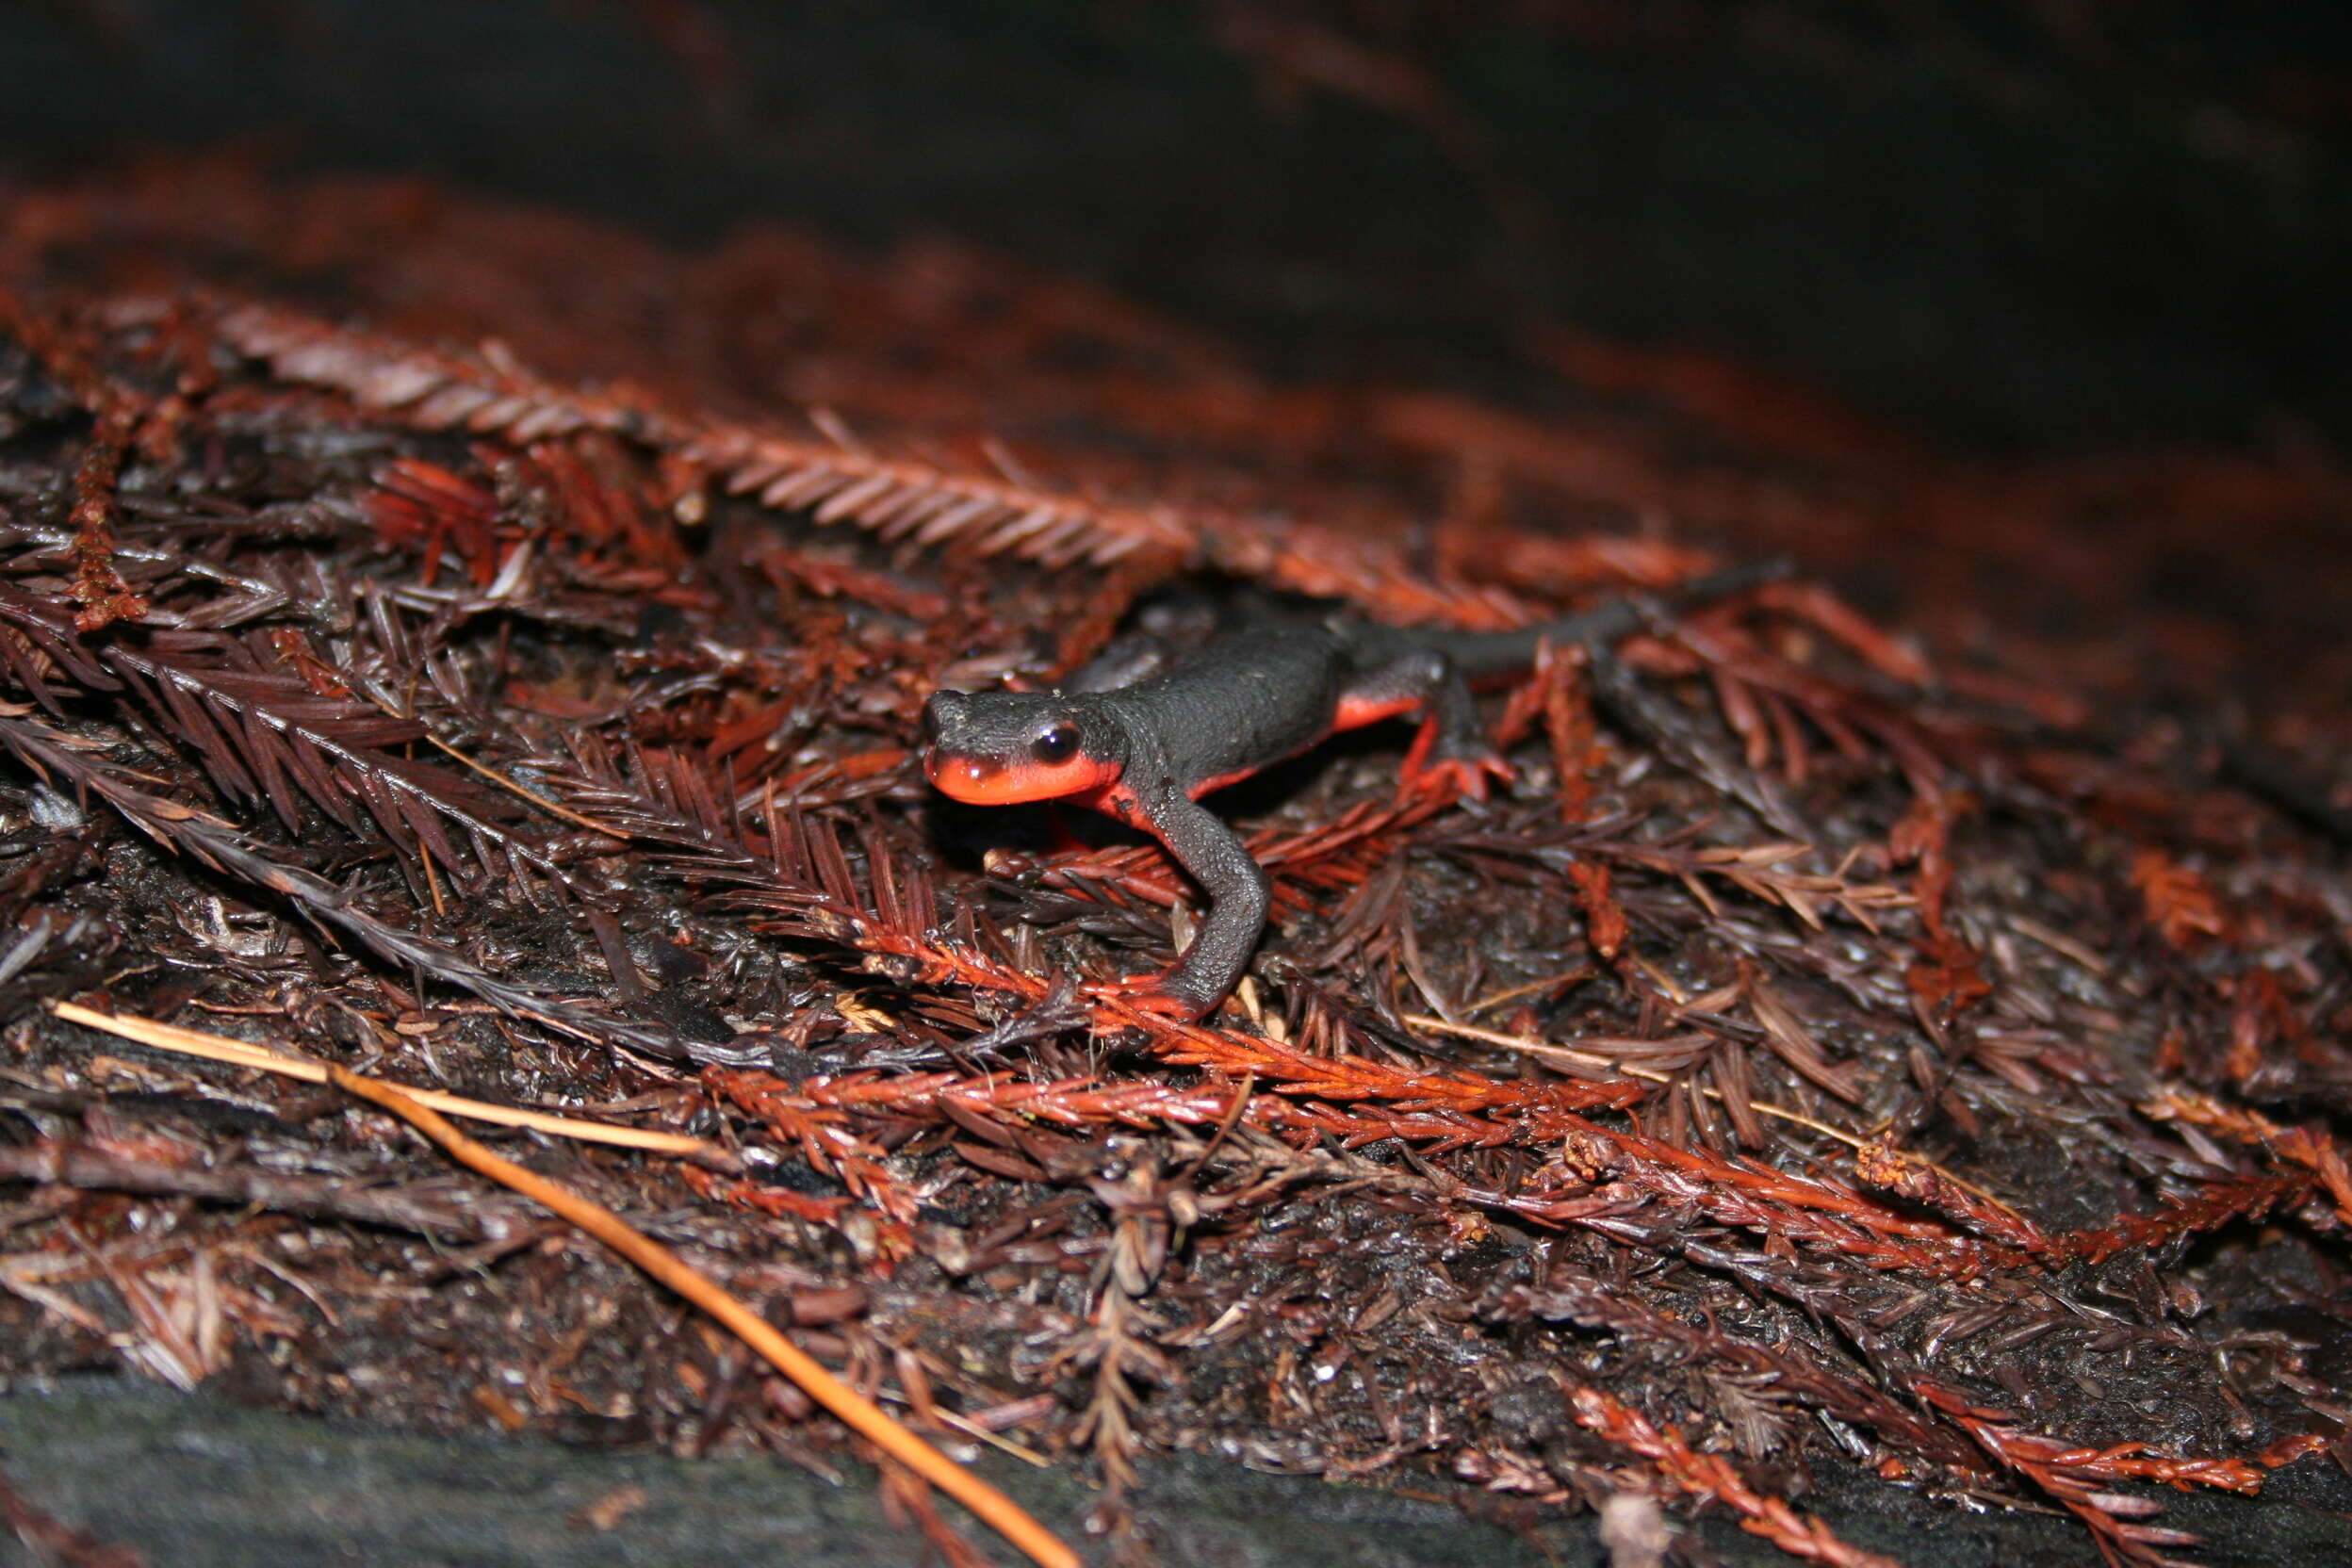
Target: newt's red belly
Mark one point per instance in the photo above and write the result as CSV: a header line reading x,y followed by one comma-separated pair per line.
x,y
1352,713
1355,712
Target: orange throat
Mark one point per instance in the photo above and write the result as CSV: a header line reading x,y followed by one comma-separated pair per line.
x,y
994,781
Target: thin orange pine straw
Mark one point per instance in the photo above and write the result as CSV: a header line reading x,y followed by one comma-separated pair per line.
x,y
858,1413
237,1052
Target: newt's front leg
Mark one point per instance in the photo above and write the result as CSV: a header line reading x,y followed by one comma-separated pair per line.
x,y
1238,892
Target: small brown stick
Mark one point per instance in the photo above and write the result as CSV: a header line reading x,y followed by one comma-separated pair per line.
x,y
502,782
221,1048
1874,1161
65,1165
854,1411
1594,1060
1224,1127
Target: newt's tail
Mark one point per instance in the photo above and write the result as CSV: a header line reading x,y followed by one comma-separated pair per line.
x,y
1489,654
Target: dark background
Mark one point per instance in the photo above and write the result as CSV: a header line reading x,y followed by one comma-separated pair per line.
x,y
2018,226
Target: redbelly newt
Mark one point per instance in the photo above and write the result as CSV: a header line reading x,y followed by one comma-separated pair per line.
x,y
1142,736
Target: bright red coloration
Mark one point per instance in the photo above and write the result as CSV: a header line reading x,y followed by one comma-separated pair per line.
x,y
1355,712
989,781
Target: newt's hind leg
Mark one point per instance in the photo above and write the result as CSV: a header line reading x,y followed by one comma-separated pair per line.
x,y
1451,752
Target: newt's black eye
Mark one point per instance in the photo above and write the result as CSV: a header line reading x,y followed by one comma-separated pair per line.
x,y
1058,744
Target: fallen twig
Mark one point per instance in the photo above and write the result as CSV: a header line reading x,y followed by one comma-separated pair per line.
x,y
858,1413
221,1048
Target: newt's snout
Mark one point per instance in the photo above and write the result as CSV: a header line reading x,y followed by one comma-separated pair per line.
x,y
941,718
940,715
972,780
1000,748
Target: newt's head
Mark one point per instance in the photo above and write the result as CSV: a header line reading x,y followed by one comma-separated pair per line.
x,y
997,749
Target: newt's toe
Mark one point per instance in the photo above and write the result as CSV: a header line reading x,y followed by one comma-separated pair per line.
x,y
1160,995
1458,777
